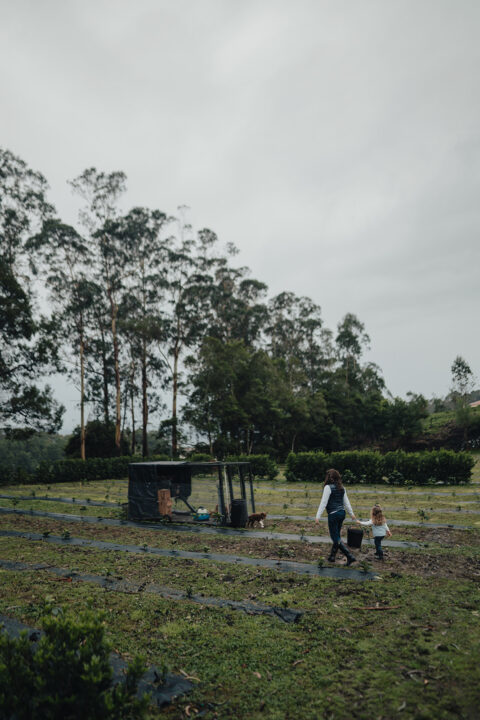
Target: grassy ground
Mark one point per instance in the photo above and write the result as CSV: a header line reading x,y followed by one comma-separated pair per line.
x,y
403,646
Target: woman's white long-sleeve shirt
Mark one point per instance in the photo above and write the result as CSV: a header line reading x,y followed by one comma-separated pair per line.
x,y
325,497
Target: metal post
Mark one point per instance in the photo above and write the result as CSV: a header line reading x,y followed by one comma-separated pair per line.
x,y
230,484
242,482
221,497
251,488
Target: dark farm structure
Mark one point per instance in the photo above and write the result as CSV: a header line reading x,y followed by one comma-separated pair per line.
x,y
176,491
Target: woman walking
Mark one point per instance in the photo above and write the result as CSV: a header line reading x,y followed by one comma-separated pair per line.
x,y
335,500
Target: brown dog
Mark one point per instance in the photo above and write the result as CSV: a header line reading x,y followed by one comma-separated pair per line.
x,y
255,518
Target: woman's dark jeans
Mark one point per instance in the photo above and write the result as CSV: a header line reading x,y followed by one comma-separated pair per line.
x,y
335,521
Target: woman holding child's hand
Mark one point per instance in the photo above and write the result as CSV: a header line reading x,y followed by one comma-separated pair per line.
x,y
335,500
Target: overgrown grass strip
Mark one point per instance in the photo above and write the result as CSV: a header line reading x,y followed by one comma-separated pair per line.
x,y
69,501
280,565
200,529
121,585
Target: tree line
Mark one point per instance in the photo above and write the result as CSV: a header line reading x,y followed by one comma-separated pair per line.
x,y
156,325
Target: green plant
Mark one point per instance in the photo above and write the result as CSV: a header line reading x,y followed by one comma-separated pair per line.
x,y
285,551
423,515
364,566
65,535
68,674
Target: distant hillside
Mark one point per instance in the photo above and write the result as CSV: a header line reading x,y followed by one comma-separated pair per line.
x,y
440,429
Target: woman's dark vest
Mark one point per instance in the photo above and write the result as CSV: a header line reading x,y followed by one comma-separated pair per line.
x,y
335,501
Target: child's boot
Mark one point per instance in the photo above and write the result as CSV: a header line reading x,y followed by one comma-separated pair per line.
x,y
350,558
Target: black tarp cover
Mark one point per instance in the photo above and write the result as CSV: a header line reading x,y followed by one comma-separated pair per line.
x,y
146,479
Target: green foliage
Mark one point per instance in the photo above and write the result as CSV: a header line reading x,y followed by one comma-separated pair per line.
x,y
395,468
27,342
99,441
262,466
76,470
200,457
68,675
26,453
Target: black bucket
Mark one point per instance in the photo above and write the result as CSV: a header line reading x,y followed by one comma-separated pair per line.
x,y
238,513
354,537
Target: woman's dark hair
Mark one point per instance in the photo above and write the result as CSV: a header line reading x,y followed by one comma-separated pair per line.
x,y
333,477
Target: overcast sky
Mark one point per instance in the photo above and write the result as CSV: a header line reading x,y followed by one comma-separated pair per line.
x,y
336,143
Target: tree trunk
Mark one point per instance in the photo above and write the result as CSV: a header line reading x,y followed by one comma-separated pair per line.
x,y
106,398
144,401
174,403
82,394
210,443
132,408
292,449
118,414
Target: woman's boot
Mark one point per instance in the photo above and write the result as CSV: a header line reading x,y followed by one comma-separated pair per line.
x,y
350,558
333,552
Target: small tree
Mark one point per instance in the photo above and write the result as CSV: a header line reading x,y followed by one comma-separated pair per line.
x,y
462,384
68,674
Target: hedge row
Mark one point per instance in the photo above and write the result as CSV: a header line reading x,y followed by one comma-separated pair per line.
x,y
395,468
75,470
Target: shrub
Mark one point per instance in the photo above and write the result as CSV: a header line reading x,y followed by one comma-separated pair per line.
x,y
200,457
396,468
68,674
74,469
262,466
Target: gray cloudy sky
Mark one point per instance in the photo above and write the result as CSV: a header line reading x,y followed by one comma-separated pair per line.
x,y
336,143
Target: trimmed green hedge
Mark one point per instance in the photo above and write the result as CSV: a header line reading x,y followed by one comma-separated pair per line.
x,y
262,465
75,470
395,468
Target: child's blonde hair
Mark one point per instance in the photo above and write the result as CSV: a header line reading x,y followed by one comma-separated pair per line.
x,y
377,515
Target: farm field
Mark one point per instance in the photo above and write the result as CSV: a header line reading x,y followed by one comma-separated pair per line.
x,y
398,639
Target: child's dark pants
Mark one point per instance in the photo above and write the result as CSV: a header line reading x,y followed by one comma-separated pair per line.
x,y
378,546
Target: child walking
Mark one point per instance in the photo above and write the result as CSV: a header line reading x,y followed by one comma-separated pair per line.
x,y
379,529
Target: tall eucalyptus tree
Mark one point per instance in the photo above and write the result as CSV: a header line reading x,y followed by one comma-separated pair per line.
x,y
141,230
27,347
188,303
101,193
64,256
295,333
